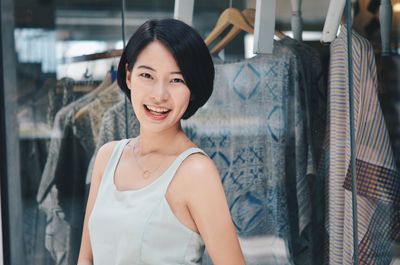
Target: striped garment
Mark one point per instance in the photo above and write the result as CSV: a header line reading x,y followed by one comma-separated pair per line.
x,y
377,177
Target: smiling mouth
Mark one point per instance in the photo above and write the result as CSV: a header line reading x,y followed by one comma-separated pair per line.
x,y
156,110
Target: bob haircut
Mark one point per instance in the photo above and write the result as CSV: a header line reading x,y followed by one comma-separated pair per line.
x,y
190,53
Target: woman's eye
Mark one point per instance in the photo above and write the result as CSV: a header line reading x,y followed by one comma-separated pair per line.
x,y
177,80
145,75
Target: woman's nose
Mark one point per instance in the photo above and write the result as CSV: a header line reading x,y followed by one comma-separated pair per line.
x,y
160,92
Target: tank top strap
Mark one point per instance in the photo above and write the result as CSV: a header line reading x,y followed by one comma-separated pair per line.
x,y
170,173
115,156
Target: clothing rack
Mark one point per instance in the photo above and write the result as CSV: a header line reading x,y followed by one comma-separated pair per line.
x,y
334,17
296,21
92,57
385,17
264,26
263,39
184,11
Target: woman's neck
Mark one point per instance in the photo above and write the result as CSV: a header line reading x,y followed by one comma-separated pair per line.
x,y
161,142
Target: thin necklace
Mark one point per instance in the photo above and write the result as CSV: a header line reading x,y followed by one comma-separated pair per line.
x,y
146,173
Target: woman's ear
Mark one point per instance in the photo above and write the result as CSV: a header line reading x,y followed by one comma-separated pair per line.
x,y
128,75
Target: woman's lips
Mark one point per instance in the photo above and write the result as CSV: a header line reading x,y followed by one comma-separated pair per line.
x,y
156,113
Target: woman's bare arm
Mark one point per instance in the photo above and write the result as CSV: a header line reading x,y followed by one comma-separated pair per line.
x,y
208,206
103,155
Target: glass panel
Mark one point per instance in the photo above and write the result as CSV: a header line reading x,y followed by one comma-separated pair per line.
x,y
64,50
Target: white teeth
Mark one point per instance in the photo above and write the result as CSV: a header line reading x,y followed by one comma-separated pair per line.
x,y
157,109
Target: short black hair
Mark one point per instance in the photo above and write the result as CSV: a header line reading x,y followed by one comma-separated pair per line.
x,y
187,47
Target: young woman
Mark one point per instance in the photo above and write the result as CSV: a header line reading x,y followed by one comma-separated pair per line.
x,y
157,199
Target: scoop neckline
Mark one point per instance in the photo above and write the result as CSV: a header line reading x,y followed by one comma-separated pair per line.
x,y
154,182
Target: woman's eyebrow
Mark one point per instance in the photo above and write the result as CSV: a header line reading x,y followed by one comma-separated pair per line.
x,y
154,70
146,67
177,73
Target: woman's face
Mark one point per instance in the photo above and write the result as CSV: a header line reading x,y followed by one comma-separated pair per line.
x,y
158,91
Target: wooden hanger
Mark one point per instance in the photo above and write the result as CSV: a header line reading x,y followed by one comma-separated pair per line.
x,y
113,88
84,110
279,34
104,86
230,16
249,14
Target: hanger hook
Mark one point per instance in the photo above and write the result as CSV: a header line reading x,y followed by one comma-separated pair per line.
x,y
113,61
230,3
87,75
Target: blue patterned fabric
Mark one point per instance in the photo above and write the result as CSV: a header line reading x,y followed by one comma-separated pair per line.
x,y
254,127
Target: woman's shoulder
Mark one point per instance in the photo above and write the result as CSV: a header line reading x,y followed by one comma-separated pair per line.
x,y
197,159
199,167
198,180
106,149
103,156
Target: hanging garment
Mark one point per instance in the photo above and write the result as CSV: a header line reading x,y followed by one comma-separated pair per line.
x,y
47,193
377,179
307,229
60,96
142,229
315,92
34,135
389,81
115,125
57,229
34,153
32,110
254,128
61,122
93,113
86,127
62,190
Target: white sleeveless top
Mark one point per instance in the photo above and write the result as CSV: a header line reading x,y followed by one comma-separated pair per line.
x,y
138,227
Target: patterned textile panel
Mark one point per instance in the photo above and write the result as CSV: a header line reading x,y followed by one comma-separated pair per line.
x,y
254,128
